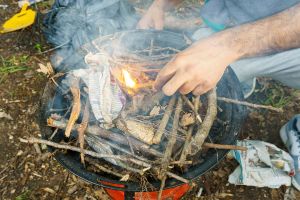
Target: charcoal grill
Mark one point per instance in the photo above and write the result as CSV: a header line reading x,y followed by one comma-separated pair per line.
x,y
225,133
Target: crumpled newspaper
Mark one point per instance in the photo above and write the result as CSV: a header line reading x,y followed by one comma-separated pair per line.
x,y
262,165
105,96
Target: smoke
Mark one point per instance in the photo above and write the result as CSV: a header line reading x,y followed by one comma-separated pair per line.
x,y
73,23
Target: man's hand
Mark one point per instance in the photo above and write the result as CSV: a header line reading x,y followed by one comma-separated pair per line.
x,y
154,17
200,67
196,69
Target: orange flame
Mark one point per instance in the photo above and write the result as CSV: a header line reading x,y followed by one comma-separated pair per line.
x,y
129,82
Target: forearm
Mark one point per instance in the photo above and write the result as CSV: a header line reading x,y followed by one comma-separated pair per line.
x,y
273,34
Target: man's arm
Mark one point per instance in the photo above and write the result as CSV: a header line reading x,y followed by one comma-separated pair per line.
x,y
270,35
199,68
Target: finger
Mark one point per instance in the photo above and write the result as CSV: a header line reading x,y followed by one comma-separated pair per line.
x,y
188,87
199,90
174,84
165,75
161,80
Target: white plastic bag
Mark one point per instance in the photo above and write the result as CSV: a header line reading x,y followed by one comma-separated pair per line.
x,y
262,165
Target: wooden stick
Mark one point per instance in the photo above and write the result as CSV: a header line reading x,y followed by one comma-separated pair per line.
x,y
162,126
189,103
103,133
104,169
172,175
187,162
144,162
172,140
33,140
224,146
82,128
75,109
198,140
185,147
197,104
162,186
252,105
92,153
212,145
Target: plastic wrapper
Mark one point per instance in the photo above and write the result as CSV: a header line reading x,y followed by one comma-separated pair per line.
x,y
262,165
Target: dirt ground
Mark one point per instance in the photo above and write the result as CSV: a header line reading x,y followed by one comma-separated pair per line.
x,y
25,174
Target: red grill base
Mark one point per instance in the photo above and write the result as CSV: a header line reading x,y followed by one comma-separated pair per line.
x,y
168,194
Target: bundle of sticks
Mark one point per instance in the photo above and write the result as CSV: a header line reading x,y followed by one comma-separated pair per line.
x,y
177,125
134,149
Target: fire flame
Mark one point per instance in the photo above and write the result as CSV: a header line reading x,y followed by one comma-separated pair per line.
x,y
129,82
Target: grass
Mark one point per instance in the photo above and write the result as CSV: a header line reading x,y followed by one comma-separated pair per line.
x,y
273,93
277,97
24,196
38,47
12,65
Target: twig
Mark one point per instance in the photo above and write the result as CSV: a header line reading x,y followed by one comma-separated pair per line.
x,y
73,148
52,49
144,162
189,103
198,140
90,153
224,146
172,140
185,146
252,105
197,104
175,176
37,149
53,134
162,126
187,162
82,128
75,109
137,65
162,186
103,133
102,168
210,145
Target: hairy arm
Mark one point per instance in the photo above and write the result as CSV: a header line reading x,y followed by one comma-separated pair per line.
x,y
199,68
270,35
